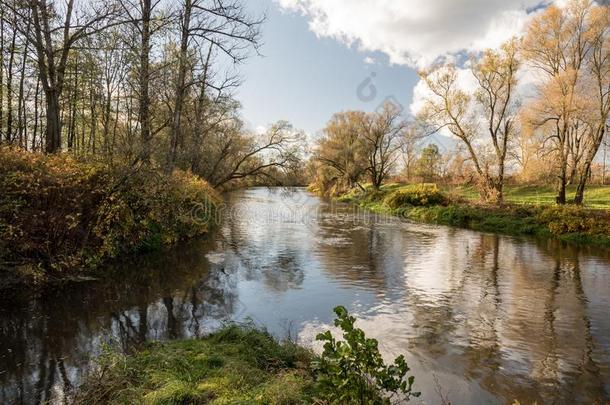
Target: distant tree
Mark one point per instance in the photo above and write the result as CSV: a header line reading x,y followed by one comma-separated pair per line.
x,y
341,150
409,150
382,134
238,155
428,166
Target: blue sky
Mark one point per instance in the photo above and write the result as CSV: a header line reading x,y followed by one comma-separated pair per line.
x,y
304,79
317,53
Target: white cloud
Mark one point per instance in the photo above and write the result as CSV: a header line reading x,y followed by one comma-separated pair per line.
x,y
369,61
260,129
415,32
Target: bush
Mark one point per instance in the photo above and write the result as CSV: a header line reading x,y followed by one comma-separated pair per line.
x,y
415,195
58,213
353,371
573,219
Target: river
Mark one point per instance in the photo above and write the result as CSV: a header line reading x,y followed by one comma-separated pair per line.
x,y
481,318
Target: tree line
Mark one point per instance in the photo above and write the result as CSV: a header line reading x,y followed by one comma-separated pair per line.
x,y
147,81
550,128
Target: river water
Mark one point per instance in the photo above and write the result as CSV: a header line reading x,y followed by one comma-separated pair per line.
x,y
481,318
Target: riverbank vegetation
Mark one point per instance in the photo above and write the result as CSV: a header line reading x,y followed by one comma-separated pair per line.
x,y
427,203
60,215
243,364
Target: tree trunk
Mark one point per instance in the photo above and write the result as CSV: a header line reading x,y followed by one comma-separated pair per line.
x,y
72,141
144,101
1,72
580,189
35,131
21,119
561,191
9,90
53,129
180,88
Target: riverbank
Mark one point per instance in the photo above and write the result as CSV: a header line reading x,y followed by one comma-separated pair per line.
x,y
427,203
244,364
235,365
62,217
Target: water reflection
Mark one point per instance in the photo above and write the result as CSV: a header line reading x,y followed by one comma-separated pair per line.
x,y
491,318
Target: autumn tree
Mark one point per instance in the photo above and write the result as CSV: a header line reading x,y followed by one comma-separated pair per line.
x,y
409,150
483,117
569,46
341,150
598,85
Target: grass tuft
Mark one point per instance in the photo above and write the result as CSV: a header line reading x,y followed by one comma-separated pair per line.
x,y
238,364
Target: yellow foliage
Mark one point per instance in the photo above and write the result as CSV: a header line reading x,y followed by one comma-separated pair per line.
x,y
59,213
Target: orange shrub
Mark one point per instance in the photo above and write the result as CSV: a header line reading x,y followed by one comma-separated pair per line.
x,y
59,213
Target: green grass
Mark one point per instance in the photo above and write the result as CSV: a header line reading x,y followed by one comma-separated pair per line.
x,y
529,211
597,197
237,365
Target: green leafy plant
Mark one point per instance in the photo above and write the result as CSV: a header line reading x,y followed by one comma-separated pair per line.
x,y
353,370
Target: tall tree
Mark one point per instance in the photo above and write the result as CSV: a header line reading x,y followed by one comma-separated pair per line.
x,y
221,23
495,73
463,113
598,90
56,29
557,45
382,133
146,10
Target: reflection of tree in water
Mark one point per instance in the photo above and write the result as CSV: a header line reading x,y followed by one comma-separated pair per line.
x,y
434,322
48,340
358,248
276,257
496,317
519,326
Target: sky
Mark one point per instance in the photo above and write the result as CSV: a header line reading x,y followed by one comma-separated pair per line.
x,y
304,79
324,56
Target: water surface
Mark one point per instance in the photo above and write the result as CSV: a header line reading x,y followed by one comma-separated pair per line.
x,y
481,318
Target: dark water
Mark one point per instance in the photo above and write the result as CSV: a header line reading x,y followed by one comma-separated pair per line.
x,y
482,318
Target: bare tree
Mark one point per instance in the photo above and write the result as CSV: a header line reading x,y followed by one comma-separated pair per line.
x,y
556,44
382,133
223,24
598,68
240,156
453,108
496,73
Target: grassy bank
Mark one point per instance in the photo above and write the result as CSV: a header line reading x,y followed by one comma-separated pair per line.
x,y
235,365
61,217
427,203
596,196
243,365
